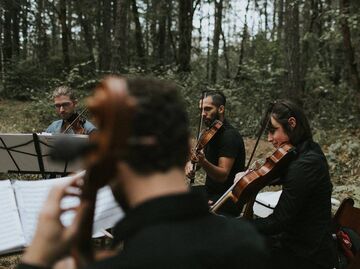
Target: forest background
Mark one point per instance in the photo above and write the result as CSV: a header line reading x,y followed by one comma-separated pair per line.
x,y
255,51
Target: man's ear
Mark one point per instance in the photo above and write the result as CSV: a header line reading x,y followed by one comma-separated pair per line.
x,y
292,122
221,109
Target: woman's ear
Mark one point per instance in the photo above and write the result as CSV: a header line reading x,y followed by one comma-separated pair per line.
x,y
292,122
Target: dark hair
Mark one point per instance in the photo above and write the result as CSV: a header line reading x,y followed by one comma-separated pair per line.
x,y
218,98
282,110
160,131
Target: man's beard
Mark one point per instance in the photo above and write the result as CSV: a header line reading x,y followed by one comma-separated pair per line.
x,y
210,122
70,117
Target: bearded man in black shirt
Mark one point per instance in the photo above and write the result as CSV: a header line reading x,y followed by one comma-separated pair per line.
x,y
166,225
224,156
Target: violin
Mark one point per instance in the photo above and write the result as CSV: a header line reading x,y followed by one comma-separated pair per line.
x,y
206,136
244,189
113,109
203,140
75,123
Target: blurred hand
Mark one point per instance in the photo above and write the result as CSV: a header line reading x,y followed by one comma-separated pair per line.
x,y
189,172
52,241
240,175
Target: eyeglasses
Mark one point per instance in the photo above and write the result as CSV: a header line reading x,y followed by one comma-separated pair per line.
x,y
64,105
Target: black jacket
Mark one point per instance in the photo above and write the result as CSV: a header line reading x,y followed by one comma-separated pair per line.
x,y
302,216
178,232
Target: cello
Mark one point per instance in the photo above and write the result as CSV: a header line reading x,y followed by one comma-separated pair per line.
x,y
110,98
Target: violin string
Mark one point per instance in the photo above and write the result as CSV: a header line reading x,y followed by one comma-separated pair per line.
x,y
73,122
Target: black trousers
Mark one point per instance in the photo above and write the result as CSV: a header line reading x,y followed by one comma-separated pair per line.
x,y
283,258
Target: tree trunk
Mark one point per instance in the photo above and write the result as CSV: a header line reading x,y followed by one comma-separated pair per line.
x,y
226,57
292,50
280,27
239,76
185,29
170,34
24,28
86,28
16,28
138,35
7,32
120,44
217,31
162,32
348,47
42,47
105,36
154,10
310,15
266,16
64,35
1,46
274,26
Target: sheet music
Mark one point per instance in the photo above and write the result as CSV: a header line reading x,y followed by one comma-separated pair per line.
x,y
11,234
31,196
107,211
265,203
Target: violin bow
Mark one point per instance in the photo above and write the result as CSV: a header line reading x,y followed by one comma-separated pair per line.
x,y
77,117
264,122
248,211
203,95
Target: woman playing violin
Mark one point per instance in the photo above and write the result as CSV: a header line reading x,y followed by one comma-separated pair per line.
x,y
65,104
299,227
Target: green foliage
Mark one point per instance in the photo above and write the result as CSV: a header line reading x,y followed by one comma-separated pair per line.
x,y
21,81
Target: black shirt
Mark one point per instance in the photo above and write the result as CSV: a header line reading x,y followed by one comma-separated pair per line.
x,y
303,213
227,142
179,232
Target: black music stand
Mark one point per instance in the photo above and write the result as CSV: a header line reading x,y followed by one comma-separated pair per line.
x,y
29,154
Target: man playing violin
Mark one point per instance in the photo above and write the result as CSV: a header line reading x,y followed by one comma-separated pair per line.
x,y
71,123
299,229
224,155
166,225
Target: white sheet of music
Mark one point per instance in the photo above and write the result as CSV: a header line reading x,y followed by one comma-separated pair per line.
x,y
31,196
11,233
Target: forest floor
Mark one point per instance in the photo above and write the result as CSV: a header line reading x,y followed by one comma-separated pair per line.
x,y
342,148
